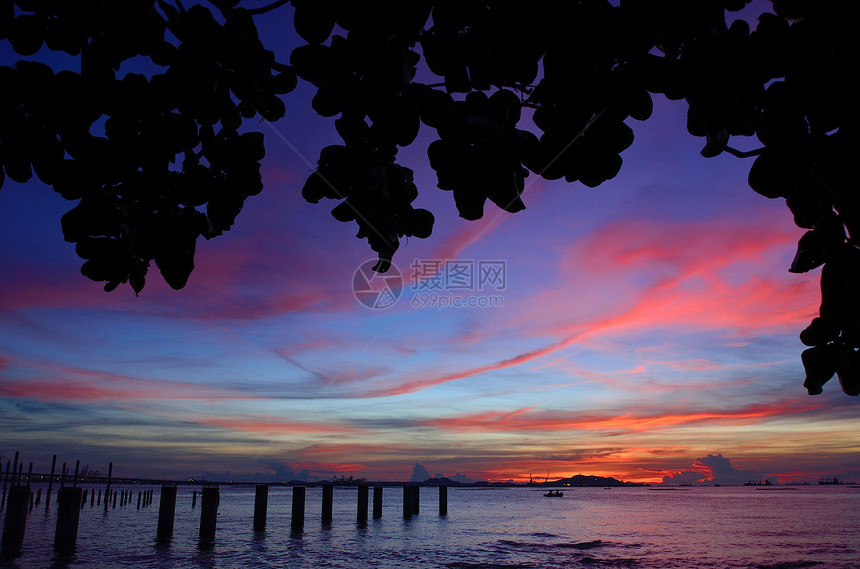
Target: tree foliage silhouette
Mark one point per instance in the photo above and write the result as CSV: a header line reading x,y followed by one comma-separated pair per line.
x,y
171,165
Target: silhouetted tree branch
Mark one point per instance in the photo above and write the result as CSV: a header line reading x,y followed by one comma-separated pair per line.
x,y
172,165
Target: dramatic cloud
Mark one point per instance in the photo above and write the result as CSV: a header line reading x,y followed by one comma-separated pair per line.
x,y
419,473
530,419
715,469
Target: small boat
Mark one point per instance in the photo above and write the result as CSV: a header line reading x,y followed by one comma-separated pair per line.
x,y
554,494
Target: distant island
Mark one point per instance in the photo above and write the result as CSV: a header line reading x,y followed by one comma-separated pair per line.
x,y
580,480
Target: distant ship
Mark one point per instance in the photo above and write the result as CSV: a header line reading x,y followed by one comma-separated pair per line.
x,y
350,481
828,480
758,483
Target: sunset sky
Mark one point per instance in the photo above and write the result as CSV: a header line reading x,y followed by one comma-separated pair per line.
x,y
644,329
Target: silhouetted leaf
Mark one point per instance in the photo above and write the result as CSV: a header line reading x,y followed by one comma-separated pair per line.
x,y
848,370
344,212
313,20
820,365
421,223
27,34
819,333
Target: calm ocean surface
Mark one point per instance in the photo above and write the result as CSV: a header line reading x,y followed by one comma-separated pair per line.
x,y
498,528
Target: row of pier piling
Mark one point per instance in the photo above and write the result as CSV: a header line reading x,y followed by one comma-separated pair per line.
x,y
211,497
18,499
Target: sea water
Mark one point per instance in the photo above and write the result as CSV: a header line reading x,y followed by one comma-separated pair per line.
x,y
781,527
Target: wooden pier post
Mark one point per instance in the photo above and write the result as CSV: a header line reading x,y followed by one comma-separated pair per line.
x,y
194,499
261,504
5,484
84,499
50,483
15,470
138,499
361,517
38,496
107,488
99,501
166,512
416,499
327,503
115,494
15,523
377,502
92,497
443,500
407,501
209,512
297,520
68,516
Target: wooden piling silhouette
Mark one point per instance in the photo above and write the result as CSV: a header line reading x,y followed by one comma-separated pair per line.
x,y
68,516
411,500
166,512
107,488
361,516
15,470
261,499
194,498
443,500
297,520
5,484
407,501
50,483
327,503
377,502
209,500
15,523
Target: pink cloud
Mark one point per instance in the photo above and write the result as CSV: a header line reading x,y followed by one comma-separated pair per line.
x,y
529,419
692,289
